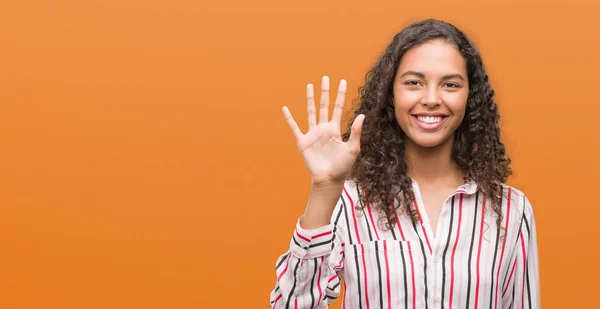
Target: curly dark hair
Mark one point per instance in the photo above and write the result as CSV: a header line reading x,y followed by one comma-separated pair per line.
x,y
380,169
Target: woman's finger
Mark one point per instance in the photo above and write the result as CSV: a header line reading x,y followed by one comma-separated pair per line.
x,y
291,123
310,102
339,103
356,131
324,111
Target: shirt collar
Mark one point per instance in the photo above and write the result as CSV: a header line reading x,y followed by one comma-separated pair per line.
x,y
469,187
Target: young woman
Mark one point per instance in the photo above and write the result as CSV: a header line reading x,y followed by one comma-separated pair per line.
x,y
409,208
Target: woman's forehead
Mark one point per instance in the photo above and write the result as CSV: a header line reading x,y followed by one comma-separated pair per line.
x,y
433,58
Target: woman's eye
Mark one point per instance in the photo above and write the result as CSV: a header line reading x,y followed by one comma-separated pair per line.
x,y
452,85
412,83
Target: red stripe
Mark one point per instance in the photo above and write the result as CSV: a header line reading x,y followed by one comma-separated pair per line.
x,y
479,250
285,269
524,269
296,303
412,270
319,283
509,278
353,216
305,239
320,235
276,300
387,272
339,266
422,227
412,265
454,250
399,227
372,222
357,234
362,249
503,245
332,278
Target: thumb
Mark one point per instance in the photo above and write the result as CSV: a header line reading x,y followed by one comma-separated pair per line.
x,y
356,131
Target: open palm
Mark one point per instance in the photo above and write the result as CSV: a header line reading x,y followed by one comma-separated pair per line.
x,y
326,156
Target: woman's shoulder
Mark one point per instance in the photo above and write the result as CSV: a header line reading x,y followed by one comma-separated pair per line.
x,y
517,197
515,191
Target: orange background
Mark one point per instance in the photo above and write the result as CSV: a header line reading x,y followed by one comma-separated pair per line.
x,y
145,163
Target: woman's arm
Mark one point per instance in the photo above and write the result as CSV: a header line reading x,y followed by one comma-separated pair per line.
x,y
309,273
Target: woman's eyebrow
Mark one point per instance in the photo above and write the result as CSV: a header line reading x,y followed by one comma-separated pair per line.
x,y
421,75
451,76
418,74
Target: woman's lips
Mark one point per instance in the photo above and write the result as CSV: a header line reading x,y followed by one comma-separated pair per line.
x,y
429,126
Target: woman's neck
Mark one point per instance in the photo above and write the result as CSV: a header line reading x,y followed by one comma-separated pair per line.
x,y
433,165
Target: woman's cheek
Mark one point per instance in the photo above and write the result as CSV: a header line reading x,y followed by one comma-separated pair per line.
x,y
411,97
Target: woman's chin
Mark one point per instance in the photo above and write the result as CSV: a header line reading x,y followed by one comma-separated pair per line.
x,y
428,141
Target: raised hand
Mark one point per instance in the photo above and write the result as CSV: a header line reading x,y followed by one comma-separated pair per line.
x,y
327,158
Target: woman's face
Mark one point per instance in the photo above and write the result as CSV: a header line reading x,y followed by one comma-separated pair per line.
x,y
430,93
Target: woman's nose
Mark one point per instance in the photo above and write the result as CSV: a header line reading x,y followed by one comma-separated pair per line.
x,y
431,97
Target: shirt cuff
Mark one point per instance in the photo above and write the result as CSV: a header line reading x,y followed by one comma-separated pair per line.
x,y
312,243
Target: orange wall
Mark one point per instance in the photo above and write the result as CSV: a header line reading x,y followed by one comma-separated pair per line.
x,y
145,163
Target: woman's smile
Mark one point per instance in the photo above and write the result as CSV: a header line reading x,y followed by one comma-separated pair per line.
x,y
429,123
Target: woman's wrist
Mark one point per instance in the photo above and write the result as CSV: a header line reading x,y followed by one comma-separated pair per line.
x,y
321,203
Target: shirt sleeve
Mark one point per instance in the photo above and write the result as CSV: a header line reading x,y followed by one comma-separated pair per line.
x,y
524,290
309,273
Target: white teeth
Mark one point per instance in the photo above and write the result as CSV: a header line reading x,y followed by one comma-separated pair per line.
x,y
430,119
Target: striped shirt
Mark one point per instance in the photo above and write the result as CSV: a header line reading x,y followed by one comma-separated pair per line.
x,y
470,263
